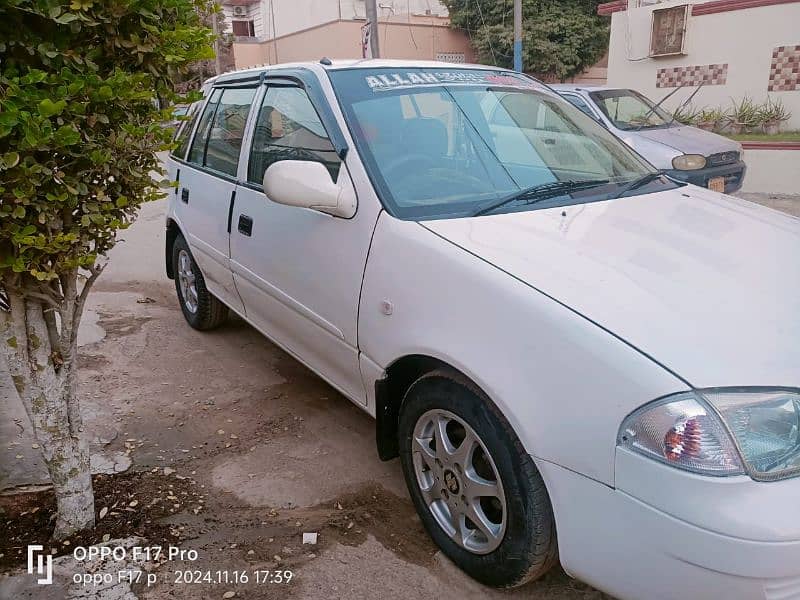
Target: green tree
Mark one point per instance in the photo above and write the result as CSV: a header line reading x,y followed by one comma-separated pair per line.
x,y
559,39
79,132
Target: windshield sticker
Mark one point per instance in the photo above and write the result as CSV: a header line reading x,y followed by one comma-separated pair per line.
x,y
392,81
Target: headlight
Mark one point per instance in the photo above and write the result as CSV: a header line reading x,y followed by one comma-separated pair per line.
x,y
689,162
766,427
721,432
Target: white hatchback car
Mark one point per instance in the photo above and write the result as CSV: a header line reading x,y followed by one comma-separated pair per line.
x,y
573,356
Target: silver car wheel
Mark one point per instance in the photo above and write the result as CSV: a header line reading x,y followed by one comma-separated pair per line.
x,y
186,279
459,481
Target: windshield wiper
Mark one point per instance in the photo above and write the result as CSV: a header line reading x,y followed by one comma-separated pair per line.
x,y
637,183
543,191
654,108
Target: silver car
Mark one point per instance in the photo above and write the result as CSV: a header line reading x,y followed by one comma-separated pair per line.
x,y
682,152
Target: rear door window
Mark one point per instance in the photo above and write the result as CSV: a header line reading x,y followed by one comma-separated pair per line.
x,y
185,131
198,149
220,134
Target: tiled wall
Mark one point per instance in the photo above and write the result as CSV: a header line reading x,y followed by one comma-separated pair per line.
x,y
784,73
692,75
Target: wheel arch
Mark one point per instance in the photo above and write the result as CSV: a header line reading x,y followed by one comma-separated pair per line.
x,y
391,389
173,231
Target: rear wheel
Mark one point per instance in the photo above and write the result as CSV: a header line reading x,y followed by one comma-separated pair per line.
x,y
201,309
477,491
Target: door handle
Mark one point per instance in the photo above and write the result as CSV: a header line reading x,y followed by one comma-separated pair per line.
x,y
185,195
245,225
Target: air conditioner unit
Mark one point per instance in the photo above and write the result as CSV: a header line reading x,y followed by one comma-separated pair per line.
x,y
239,11
668,31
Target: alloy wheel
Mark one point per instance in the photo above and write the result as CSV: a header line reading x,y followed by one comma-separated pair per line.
x,y
459,481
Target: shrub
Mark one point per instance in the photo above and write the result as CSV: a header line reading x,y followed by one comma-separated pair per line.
x,y
79,132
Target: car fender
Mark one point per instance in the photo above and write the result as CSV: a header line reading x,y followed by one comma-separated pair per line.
x,y
563,383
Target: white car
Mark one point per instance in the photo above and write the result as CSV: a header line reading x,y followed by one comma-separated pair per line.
x,y
574,357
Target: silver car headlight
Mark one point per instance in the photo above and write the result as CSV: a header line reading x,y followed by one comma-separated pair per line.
x,y
721,432
689,162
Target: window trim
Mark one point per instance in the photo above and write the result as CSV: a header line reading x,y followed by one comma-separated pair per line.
x,y
300,77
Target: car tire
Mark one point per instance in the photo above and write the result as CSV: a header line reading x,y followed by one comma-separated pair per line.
x,y
202,310
518,540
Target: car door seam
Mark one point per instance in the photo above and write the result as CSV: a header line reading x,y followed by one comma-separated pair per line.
x,y
363,279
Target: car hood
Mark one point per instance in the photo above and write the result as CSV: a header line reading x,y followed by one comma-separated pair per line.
x,y
690,140
705,284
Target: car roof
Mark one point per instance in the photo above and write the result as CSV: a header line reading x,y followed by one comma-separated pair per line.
x,y
580,87
334,65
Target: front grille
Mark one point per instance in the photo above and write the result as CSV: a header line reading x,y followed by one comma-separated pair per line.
x,y
722,158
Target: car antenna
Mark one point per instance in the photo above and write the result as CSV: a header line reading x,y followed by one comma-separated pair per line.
x,y
325,61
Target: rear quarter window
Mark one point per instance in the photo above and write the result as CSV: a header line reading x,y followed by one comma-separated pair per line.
x,y
184,134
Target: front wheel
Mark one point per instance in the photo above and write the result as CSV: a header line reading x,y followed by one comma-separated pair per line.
x,y
201,309
477,491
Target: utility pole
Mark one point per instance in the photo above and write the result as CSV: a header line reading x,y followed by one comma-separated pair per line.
x,y
372,19
518,35
217,57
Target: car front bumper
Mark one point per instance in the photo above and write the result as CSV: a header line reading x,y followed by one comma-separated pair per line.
x,y
633,549
732,173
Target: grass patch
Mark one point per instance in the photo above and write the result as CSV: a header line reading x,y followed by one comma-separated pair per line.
x,y
786,136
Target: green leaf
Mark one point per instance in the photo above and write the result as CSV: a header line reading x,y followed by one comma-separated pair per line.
x,y
121,202
18,212
105,93
66,18
48,108
10,160
67,135
75,87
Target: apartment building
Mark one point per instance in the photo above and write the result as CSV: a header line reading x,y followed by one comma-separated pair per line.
x,y
276,31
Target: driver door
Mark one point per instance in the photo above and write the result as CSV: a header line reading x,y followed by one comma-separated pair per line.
x,y
299,271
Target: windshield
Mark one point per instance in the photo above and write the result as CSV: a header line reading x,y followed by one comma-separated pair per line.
x,y
630,110
443,143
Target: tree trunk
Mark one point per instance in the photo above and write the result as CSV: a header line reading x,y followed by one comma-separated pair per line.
x,y
41,354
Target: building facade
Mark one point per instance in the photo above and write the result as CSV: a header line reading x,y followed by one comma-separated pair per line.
x,y
734,48
278,31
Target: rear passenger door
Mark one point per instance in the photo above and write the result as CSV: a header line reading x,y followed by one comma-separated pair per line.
x,y
207,186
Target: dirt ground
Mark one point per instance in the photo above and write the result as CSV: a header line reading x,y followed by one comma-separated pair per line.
x,y
237,450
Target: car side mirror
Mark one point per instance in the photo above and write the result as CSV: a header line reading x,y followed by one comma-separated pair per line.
x,y
308,184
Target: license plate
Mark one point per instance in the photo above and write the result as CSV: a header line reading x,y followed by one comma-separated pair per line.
x,y
717,184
